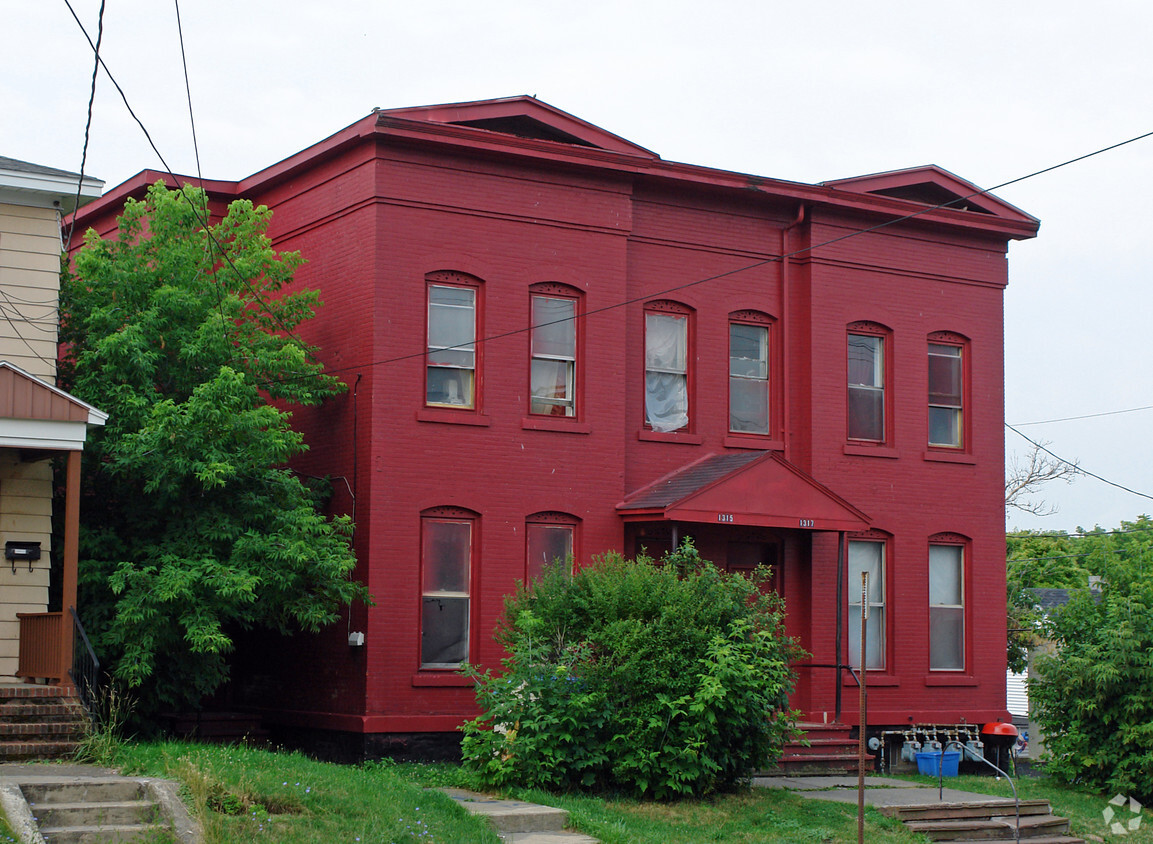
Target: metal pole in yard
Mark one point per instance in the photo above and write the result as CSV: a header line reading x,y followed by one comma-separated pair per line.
x,y
861,711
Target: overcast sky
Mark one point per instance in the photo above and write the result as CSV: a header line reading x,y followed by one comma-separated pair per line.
x,y
804,91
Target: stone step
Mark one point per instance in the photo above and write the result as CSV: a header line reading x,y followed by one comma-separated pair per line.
x,y
978,809
992,829
90,813
104,834
82,789
1044,839
519,821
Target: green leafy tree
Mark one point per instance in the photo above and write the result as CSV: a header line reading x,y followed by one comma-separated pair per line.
x,y
660,680
192,527
1093,696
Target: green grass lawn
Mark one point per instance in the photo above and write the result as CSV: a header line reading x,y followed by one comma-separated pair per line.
x,y
242,794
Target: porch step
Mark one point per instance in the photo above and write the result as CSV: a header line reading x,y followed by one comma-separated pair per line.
x,y
983,821
828,750
95,811
39,722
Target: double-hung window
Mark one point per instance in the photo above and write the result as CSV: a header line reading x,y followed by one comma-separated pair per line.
x,y
446,575
548,541
666,369
552,376
749,407
946,607
867,556
452,353
866,387
946,395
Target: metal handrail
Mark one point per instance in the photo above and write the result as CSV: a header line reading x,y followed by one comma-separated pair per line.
x,y
85,673
969,753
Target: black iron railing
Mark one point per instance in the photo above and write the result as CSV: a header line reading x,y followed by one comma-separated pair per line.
x,y
85,671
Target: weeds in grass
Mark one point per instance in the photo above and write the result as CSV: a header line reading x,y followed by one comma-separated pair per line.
x,y
105,731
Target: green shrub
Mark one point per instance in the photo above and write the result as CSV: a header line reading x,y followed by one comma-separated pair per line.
x,y
659,680
1093,698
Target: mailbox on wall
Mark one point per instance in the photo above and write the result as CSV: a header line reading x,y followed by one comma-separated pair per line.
x,y
15,551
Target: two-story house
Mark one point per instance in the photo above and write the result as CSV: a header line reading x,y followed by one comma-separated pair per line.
x,y
38,421
556,343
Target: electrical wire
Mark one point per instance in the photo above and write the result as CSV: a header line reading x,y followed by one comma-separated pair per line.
x,y
202,218
88,122
1080,469
770,260
1086,416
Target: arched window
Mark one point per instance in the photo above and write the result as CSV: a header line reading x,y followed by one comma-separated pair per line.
x,y
870,352
668,376
550,539
453,356
750,373
554,349
447,551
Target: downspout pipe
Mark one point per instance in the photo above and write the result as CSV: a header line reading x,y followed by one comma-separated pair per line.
x,y
786,327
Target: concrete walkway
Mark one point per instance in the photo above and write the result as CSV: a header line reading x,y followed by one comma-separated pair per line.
x,y
879,791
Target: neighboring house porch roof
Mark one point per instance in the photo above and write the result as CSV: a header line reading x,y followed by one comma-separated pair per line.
x,y
743,488
35,414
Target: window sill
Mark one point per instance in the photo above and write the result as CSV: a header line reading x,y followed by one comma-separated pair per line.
x,y
449,679
452,417
761,443
949,678
871,451
872,679
564,424
951,457
683,437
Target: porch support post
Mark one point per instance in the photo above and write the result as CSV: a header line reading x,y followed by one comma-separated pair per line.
x,y
71,563
840,619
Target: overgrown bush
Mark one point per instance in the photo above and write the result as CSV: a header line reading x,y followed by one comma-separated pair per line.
x,y
1093,698
654,679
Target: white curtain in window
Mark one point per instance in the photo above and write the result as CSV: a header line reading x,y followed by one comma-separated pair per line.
x,y
666,366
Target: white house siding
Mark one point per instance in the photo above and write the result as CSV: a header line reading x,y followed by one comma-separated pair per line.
x,y
29,288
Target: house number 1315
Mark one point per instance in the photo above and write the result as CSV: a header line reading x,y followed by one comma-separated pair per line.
x,y
724,517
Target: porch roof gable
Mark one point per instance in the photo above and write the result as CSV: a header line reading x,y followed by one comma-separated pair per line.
x,y
743,488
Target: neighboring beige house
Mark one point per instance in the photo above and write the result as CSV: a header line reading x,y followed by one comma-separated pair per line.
x,y
37,421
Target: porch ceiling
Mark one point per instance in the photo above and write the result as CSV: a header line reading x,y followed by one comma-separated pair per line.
x,y
745,488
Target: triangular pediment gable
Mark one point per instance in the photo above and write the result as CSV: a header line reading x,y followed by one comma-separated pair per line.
x,y
750,488
932,185
522,117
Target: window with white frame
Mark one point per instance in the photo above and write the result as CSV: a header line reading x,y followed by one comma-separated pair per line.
x,y
552,377
666,370
866,387
446,574
748,378
946,607
867,556
548,541
946,389
452,352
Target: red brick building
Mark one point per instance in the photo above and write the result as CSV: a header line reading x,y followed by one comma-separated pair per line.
x,y
557,341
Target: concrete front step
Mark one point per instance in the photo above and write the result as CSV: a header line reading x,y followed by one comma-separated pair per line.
x,y
519,821
977,809
993,829
94,811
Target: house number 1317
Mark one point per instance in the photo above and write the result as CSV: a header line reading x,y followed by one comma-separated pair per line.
x,y
805,523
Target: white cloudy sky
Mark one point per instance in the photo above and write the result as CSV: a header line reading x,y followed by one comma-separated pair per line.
x,y
806,91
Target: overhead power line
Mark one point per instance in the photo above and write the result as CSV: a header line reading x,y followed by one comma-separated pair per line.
x,y
1085,416
1080,469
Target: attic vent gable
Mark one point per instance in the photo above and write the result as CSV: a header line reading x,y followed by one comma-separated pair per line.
x,y
522,126
933,194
